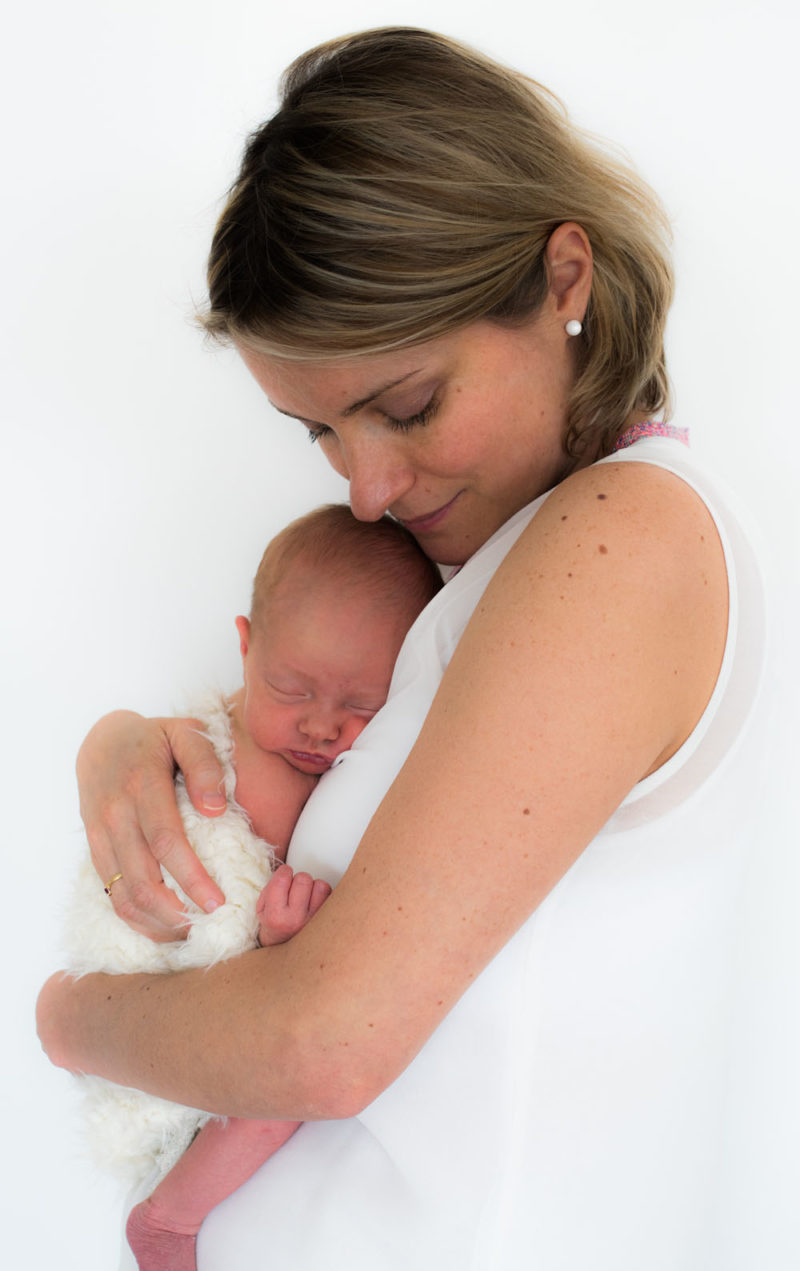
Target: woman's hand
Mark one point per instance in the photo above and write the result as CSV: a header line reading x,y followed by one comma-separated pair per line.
x,y
125,771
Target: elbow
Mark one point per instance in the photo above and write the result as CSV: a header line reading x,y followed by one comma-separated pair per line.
x,y
356,1085
333,1087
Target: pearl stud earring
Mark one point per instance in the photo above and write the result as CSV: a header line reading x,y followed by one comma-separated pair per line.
x,y
573,327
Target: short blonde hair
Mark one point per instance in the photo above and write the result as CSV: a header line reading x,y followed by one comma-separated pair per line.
x,y
408,186
379,557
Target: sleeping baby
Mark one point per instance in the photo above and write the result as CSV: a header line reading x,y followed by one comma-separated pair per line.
x,y
332,602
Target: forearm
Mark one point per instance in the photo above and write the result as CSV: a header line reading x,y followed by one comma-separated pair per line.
x,y
222,1038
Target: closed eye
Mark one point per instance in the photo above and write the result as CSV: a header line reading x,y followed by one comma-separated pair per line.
x,y
421,418
286,695
314,434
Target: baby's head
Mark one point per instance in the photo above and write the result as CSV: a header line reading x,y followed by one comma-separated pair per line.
x,y
332,602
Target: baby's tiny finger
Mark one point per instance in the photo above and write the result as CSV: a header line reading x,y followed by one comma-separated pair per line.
x,y
280,884
319,894
300,894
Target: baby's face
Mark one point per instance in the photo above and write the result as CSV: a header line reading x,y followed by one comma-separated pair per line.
x,y
316,671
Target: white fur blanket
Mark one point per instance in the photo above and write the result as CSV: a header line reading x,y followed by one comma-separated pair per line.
x,y
137,1135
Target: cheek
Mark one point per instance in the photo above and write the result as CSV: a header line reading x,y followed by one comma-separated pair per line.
x,y
267,721
458,449
352,729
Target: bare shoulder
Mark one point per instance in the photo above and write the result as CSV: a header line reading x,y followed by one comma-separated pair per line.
x,y
629,512
622,569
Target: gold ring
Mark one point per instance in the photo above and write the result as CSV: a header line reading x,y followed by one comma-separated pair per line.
x,y
110,883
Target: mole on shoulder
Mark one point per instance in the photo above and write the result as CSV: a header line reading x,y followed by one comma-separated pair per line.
x,y
602,496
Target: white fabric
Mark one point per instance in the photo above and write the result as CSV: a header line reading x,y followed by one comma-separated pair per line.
x,y
580,1107
135,1135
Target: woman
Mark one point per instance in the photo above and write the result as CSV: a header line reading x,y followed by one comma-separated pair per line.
x,y
505,1026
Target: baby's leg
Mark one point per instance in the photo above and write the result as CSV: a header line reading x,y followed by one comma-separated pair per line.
x,y
162,1230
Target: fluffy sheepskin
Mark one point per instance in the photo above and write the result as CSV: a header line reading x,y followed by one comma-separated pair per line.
x,y
138,1136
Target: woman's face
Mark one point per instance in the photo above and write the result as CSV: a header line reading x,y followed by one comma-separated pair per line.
x,y
451,437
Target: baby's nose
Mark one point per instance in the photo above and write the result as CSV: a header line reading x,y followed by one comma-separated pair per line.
x,y
321,726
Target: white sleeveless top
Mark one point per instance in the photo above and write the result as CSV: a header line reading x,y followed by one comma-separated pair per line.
x,y
574,1110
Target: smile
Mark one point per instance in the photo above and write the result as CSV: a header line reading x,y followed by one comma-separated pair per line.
x,y
422,524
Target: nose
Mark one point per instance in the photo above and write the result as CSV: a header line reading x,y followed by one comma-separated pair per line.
x,y
378,472
320,725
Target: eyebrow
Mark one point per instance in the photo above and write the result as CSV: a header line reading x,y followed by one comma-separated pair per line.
x,y
354,407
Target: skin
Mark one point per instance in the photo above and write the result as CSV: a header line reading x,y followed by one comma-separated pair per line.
x,y
162,1229
316,669
585,666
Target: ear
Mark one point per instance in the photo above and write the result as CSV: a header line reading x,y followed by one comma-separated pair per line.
x,y
569,267
243,627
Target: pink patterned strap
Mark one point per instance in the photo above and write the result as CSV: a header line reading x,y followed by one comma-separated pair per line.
x,y
651,428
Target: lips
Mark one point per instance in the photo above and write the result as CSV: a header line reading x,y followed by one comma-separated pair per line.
x,y
423,524
317,763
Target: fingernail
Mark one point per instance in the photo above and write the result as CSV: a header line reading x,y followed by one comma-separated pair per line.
x,y
214,802
210,906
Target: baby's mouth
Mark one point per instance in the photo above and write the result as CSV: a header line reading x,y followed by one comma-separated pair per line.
x,y
315,760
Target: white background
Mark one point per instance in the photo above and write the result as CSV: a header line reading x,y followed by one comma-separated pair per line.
x,y
143,472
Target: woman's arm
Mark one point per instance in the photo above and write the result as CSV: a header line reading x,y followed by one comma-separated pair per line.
x,y
126,769
587,663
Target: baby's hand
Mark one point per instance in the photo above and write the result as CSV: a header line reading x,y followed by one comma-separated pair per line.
x,y
286,904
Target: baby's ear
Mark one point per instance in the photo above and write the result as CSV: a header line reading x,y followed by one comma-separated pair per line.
x,y
243,627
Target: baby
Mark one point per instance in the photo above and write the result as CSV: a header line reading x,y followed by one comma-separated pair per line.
x,y
332,602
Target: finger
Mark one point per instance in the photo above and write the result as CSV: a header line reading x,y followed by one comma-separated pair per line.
x,y
196,759
140,896
163,832
125,772
272,902
319,894
299,896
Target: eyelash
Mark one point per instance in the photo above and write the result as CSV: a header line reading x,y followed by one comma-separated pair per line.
x,y
419,420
